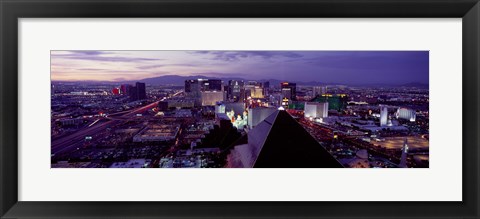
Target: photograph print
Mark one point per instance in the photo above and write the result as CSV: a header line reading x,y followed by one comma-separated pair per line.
x,y
239,109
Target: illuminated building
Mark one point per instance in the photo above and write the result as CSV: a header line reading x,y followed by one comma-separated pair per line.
x,y
280,142
289,90
285,102
237,107
403,158
219,108
254,91
383,115
296,105
319,90
195,88
258,114
125,89
404,113
335,101
210,98
316,110
235,90
203,85
116,91
240,121
257,92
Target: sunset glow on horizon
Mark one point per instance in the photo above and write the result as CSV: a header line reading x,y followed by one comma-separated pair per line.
x,y
326,66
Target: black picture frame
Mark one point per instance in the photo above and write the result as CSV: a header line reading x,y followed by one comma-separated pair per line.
x,y
12,10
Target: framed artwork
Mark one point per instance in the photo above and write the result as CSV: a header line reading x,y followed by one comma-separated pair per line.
x,y
125,109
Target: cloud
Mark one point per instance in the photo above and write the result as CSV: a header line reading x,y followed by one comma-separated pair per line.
x,y
146,67
121,71
374,60
99,56
89,52
236,55
344,66
90,69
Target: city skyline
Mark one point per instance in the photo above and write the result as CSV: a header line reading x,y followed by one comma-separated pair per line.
x,y
216,117
347,67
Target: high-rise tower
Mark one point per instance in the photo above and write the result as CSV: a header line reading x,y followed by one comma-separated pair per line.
x,y
403,159
289,90
383,115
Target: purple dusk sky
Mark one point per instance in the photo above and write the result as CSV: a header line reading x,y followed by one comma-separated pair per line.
x,y
344,67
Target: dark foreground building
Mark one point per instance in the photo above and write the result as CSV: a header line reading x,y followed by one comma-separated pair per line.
x,y
281,142
138,92
289,90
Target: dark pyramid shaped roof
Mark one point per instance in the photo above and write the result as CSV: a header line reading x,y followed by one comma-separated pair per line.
x,y
281,142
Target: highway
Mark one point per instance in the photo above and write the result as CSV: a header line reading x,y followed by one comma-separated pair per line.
x,y
75,140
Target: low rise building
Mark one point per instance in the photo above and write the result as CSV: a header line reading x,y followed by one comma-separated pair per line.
x,y
316,110
157,133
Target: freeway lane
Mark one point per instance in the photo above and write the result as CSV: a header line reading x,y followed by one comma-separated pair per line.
x,y
72,141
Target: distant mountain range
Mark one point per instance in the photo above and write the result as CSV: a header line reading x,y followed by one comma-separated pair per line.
x,y
180,80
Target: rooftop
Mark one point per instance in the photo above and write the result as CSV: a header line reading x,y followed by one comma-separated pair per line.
x,y
281,142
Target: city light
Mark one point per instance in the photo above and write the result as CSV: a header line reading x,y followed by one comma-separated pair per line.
x,y
248,109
